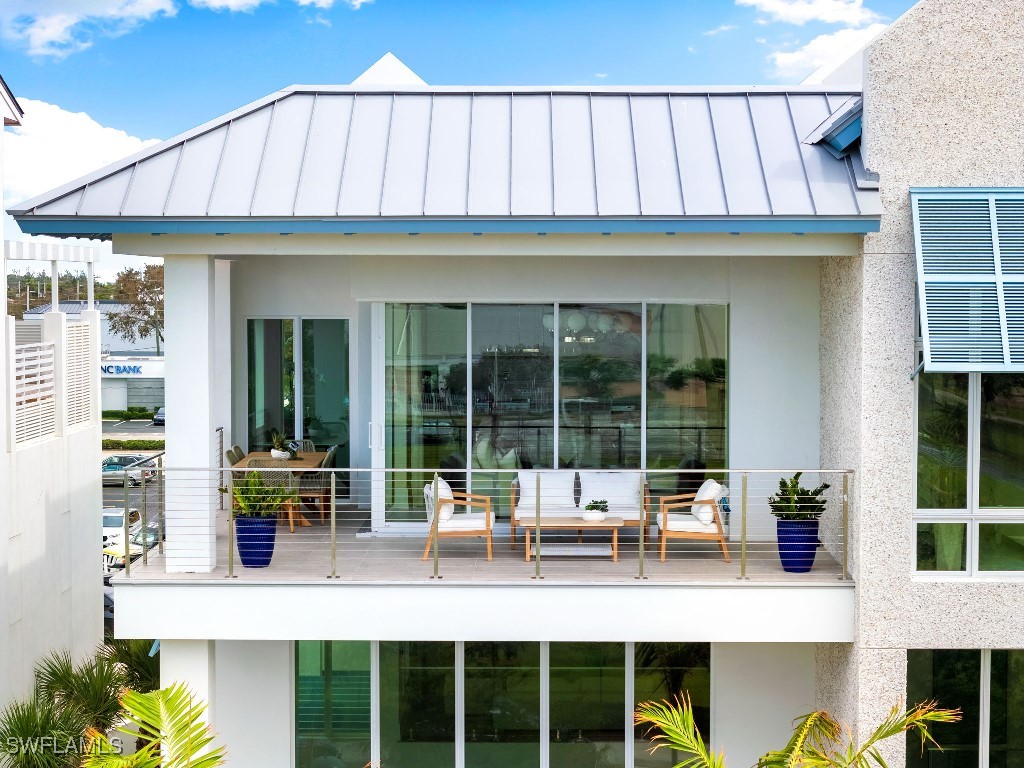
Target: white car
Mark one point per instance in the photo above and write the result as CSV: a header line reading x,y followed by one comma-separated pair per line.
x,y
113,523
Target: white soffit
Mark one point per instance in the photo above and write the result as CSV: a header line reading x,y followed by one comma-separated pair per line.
x,y
358,152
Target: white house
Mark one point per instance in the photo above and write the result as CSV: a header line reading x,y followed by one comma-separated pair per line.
x,y
50,585
635,289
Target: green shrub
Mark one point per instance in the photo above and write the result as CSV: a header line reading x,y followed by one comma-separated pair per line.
x,y
132,414
133,445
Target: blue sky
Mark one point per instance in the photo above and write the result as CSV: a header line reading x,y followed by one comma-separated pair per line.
x,y
157,75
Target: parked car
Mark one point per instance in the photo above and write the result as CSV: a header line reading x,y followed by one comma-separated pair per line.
x,y
114,553
113,523
159,417
108,610
139,468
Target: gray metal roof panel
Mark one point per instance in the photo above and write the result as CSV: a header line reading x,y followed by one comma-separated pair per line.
x,y
370,152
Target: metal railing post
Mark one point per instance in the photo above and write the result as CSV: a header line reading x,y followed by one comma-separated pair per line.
x,y
846,526
231,526
334,533
536,537
145,520
160,503
220,458
125,542
743,528
641,536
434,525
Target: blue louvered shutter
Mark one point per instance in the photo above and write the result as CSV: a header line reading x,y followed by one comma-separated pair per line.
x,y
970,274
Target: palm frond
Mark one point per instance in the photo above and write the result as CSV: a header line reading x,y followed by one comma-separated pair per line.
x,y
672,725
24,725
92,687
141,670
916,719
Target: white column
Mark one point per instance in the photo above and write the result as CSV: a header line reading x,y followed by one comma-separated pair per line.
x,y
92,317
189,379
222,350
192,662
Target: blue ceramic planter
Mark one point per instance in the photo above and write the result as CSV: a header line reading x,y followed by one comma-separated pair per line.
x,y
798,544
255,538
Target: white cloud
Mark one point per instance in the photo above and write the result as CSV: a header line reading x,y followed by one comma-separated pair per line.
x,y
54,146
719,30
691,49
601,75
795,65
58,28
849,12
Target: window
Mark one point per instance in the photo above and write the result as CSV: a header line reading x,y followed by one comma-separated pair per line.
x,y
985,686
970,473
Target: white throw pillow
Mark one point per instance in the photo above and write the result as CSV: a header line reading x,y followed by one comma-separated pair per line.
x,y
444,491
709,491
557,488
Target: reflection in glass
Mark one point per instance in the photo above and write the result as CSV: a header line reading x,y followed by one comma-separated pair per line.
x,y
1006,737
1001,547
942,546
332,704
953,679
325,386
425,401
687,393
502,705
588,693
513,394
600,380
1002,440
663,671
942,441
417,704
271,372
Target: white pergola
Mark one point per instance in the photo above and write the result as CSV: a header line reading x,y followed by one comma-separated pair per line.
x,y
55,254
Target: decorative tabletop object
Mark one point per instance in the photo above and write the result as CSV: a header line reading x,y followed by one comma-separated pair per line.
x,y
596,510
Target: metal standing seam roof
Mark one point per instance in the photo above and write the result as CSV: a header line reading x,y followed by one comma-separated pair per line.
x,y
325,152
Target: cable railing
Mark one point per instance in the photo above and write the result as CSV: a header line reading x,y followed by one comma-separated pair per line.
x,y
285,520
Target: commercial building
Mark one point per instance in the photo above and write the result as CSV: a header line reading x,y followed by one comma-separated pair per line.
x,y
471,284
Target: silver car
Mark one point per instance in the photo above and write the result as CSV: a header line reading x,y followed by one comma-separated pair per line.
x,y
138,468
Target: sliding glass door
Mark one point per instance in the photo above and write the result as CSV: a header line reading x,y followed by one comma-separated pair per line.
x,y
271,390
476,391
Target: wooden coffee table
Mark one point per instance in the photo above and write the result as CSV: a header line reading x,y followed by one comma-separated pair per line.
x,y
573,524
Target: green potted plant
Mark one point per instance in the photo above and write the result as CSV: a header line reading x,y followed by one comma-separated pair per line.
x,y
281,449
596,510
797,511
257,503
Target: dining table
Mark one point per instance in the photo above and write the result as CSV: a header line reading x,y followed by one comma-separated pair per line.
x,y
303,461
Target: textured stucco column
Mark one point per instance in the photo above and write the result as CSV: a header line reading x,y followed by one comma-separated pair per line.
x,y
189,380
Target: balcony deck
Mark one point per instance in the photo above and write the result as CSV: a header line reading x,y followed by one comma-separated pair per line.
x,y
362,557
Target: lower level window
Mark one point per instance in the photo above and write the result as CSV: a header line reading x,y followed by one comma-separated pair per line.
x,y
985,686
482,704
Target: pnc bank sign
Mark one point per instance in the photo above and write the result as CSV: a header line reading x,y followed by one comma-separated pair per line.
x,y
121,370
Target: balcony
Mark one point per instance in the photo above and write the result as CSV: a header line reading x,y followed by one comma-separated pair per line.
x,y
373,528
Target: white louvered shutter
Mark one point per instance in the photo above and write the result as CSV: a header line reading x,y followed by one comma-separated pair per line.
x,y
970,272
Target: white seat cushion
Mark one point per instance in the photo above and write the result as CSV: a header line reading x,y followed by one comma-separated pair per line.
x,y
557,488
688,524
619,489
710,490
470,521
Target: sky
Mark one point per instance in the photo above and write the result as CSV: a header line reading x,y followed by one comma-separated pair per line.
x,y
101,79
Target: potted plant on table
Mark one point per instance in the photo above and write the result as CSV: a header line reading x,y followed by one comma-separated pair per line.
x,y
257,503
596,510
281,449
798,511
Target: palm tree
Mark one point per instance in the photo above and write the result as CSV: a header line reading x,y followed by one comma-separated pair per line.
x,y
90,687
819,740
137,662
170,726
30,729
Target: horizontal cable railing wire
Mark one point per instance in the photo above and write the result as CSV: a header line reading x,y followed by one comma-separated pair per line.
x,y
490,525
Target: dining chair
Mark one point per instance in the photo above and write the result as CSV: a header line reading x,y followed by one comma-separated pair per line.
x,y
317,485
276,474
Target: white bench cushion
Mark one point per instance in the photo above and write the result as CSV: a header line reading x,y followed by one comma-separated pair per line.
x,y
557,487
470,521
619,489
548,510
710,490
687,523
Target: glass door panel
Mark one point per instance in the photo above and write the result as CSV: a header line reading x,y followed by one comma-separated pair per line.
x,y
1001,471
953,679
325,390
663,671
425,402
687,396
417,704
600,382
942,441
332,704
1006,738
502,705
271,371
587,709
513,394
